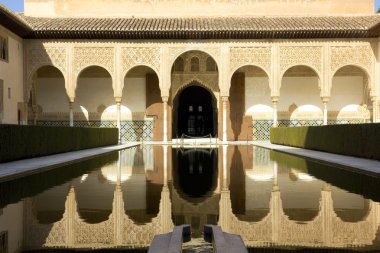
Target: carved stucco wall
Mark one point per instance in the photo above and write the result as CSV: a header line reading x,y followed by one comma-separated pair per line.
x,y
273,57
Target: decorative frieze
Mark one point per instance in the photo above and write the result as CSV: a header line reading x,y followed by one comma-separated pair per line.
x,y
300,55
361,56
135,56
39,56
209,81
99,56
257,56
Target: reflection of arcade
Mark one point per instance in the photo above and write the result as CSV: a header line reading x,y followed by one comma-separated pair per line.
x,y
271,204
131,219
194,194
262,200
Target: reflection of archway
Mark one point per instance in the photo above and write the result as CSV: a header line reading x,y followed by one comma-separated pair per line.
x,y
195,173
194,112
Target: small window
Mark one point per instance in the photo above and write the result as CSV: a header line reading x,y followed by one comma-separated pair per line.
x,y
9,93
1,98
3,49
210,64
200,108
190,108
4,242
179,65
194,64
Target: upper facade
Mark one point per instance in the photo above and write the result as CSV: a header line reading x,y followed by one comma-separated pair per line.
x,y
191,8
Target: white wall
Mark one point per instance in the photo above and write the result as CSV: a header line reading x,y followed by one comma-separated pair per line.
x,y
258,101
300,91
11,72
12,221
346,90
134,96
51,95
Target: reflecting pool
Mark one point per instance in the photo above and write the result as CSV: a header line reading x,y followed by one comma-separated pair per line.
x,y
121,200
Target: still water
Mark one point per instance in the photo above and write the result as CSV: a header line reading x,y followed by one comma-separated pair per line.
x,y
123,199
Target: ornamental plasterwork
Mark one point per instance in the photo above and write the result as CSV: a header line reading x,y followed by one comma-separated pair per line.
x,y
94,56
175,52
293,233
352,55
308,56
209,81
39,56
257,56
136,56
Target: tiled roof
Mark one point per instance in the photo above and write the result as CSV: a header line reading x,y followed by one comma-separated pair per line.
x,y
13,22
204,27
255,27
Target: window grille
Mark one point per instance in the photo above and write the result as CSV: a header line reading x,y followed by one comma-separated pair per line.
x,y
194,64
3,48
179,65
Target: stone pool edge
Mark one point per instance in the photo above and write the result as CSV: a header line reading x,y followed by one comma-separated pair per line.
x,y
21,168
354,164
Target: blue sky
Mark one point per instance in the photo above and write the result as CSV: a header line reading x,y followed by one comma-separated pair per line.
x,y
18,5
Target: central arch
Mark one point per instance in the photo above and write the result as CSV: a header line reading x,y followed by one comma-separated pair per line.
x,y
194,112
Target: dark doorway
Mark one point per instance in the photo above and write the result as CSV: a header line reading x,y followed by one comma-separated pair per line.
x,y
194,113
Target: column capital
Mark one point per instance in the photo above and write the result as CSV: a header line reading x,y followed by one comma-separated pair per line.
x,y
225,98
373,99
325,99
165,99
275,99
118,100
71,99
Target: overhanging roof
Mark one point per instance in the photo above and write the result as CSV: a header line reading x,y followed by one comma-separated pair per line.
x,y
193,28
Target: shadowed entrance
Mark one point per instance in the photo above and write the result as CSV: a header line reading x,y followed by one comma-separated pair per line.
x,y
194,113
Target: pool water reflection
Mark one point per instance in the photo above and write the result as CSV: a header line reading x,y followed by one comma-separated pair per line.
x,y
121,201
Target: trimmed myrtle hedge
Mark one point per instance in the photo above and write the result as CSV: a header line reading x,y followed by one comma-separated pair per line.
x,y
20,142
361,140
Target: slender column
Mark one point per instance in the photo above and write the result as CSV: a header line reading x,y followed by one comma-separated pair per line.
x,y
224,102
165,101
70,213
275,176
71,113
374,109
224,186
118,206
275,119
325,100
165,165
118,115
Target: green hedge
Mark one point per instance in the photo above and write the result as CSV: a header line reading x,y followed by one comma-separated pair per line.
x,y
362,140
20,142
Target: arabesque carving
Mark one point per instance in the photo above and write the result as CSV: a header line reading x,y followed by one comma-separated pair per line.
x,y
136,56
210,81
301,55
175,52
99,56
257,56
361,56
39,56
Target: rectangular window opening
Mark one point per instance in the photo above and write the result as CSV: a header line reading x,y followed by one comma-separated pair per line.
x,y
4,242
3,48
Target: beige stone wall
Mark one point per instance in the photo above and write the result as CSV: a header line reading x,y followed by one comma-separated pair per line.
x,y
11,76
197,7
11,221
